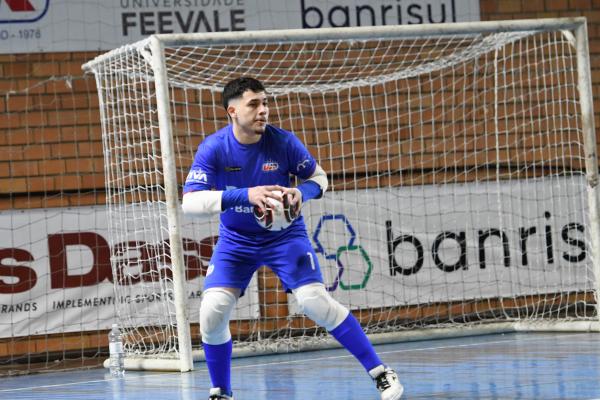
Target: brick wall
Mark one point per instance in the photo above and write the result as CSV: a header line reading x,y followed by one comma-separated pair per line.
x,y
50,149
522,9
50,145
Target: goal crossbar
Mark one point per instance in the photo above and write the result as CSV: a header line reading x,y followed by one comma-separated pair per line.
x,y
345,33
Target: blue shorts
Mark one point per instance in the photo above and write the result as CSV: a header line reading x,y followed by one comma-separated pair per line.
x,y
291,258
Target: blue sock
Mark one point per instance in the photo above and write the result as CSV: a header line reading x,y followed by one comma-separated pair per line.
x,y
218,361
350,334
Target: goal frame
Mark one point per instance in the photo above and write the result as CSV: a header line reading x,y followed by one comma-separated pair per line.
x,y
156,45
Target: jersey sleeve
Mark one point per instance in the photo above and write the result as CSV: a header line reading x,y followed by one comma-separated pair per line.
x,y
301,162
202,173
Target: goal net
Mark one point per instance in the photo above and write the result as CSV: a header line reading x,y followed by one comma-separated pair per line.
x,y
462,168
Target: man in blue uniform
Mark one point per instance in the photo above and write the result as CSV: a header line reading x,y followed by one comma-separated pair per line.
x,y
235,169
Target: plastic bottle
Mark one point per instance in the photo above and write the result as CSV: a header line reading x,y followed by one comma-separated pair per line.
x,y
117,354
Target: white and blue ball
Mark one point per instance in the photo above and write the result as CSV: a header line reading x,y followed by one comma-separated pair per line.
x,y
278,215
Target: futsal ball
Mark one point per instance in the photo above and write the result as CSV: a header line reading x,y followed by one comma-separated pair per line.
x,y
278,215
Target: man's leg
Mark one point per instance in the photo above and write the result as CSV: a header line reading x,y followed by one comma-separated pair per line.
x,y
297,265
230,270
215,311
318,305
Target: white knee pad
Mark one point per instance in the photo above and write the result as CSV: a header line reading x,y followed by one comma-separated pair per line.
x,y
318,305
215,311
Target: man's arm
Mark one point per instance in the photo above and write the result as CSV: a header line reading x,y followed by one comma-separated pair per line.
x,y
312,188
205,202
320,178
202,202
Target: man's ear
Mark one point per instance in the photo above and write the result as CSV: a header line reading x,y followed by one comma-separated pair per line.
x,y
231,111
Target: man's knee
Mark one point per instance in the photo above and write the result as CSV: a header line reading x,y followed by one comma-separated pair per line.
x,y
318,305
215,311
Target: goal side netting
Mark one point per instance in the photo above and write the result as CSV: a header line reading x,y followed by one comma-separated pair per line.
x,y
462,168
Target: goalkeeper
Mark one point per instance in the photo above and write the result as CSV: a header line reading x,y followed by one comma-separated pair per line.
x,y
235,169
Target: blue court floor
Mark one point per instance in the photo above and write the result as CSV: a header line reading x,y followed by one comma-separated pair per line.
x,y
509,366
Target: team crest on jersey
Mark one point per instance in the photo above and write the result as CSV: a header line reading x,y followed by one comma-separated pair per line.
x,y
270,166
210,270
197,175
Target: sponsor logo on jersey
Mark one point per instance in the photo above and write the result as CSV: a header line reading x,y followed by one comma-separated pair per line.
x,y
303,164
270,166
233,169
197,175
22,10
243,209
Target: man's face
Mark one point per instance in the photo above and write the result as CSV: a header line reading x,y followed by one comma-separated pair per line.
x,y
250,112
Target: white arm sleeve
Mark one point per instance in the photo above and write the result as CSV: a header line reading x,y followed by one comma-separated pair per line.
x,y
202,202
320,178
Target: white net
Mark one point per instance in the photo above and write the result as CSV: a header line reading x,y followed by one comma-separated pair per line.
x,y
458,191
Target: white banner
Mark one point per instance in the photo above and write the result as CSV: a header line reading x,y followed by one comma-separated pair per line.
x,y
424,244
377,248
55,273
90,25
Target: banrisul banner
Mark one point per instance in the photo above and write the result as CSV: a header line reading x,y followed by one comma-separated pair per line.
x,y
56,275
76,25
426,244
377,247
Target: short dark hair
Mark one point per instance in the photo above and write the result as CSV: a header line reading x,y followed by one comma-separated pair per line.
x,y
237,87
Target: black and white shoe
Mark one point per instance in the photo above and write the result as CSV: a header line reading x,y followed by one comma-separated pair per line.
x,y
387,383
216,394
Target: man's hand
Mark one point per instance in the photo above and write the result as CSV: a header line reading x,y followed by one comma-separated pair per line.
x,y
294,197
258,195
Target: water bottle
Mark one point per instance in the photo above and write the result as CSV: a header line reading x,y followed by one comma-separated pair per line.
x,y
117,354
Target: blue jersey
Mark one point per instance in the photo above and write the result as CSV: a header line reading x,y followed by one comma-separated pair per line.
x,y
222,163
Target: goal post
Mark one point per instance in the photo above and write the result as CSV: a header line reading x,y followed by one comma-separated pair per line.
x,y
172,203
591,148
463,172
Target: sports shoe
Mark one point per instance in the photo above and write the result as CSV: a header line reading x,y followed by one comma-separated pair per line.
x,y
215,394
387,383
